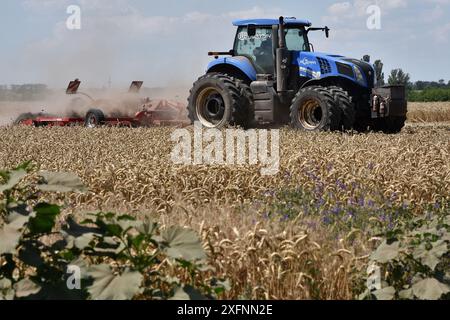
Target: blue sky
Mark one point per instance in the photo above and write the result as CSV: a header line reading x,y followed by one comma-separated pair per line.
x,y
165,42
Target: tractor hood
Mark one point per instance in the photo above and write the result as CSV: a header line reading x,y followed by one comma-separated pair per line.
x,y
316,65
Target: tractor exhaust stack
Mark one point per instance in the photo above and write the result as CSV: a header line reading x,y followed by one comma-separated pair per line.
x,y
282,66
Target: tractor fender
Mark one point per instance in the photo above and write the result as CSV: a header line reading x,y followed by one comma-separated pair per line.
x,y
330,81
242,64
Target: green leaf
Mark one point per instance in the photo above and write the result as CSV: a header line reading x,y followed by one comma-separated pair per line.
x,y
61,182
11,233
180,243
187,293
430,289
78,235
6,291
406,294
110,245
25,288
109,286
385,293
14,178
147,227
386,252
44,221
431,258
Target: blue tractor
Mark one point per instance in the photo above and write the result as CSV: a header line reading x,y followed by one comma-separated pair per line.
x,y
273,76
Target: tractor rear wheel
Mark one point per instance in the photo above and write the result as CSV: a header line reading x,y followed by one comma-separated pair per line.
x,y
314,109
94,118
346,107
218,100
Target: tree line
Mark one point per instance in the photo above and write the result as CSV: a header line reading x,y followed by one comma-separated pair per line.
x,y
419,91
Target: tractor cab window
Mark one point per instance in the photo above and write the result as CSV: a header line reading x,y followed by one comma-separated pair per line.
x,y
296,39
257,48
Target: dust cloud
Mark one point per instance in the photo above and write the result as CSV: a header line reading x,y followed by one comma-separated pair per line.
x,y
113,103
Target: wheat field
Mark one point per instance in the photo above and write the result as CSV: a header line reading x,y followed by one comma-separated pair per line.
x,y
422,112
268,245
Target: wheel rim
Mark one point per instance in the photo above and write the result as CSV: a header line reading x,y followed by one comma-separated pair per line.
x,y
91,121
310,114
210,107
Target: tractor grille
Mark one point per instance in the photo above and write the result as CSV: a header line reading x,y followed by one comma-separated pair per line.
x,y
345,69
325,66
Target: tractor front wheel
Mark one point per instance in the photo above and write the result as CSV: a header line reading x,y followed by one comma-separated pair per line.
x,y
218,100
346,107
314,109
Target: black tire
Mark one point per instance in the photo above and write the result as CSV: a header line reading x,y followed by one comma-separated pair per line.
x,y
390,125
314,109
94,118
218,100
346,107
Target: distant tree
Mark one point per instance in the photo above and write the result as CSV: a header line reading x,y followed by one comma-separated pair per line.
x,y
420,85
378,66
398,77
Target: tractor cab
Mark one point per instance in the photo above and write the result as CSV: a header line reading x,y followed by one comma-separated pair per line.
x,y
256,40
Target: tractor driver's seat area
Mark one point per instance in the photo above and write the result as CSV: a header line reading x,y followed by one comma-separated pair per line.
x,y
264,57
258,48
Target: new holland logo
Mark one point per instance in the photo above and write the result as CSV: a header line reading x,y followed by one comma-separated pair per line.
x,y
308,62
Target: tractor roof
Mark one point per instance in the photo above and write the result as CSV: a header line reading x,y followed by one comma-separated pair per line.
x,y
271,22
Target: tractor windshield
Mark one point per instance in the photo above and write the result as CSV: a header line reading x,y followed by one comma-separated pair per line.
x,y
259,48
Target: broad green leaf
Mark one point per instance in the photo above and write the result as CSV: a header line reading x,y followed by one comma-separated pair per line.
x,y
180,243
82,264
83,241
44,221
385,293
10,235
61,182
386,252
109,286
110,245
187,293
18,220
14,178
6,291
406,294
20,208
431,258
78,235
25,288
147,227
222,286
447,220
430,289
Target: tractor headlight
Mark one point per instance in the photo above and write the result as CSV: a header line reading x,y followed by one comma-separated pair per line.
x,y
359,76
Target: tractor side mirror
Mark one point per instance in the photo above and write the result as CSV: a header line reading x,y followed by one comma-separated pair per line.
x,y
327,32
251,30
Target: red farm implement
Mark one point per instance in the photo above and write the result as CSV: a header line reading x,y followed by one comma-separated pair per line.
x,y
151,112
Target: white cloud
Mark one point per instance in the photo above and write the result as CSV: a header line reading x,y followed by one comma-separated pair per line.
x,y
119,40
340,8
